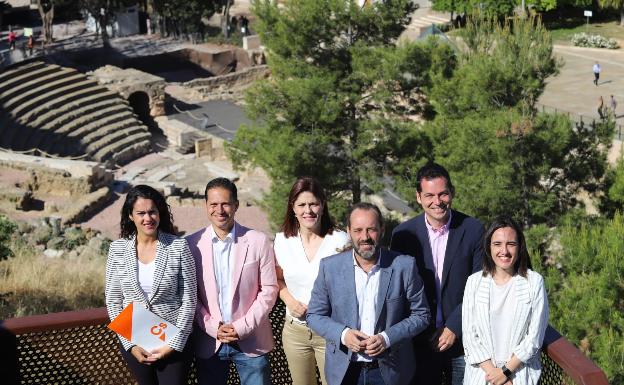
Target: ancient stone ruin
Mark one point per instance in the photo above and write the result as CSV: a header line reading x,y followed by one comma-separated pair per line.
x,y
52,110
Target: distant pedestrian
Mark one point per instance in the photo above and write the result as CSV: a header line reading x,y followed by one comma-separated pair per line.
x,y
31,44
233,24
601,107
613,104
597,69
244,21
12,38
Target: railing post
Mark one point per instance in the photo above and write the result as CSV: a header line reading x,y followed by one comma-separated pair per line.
x,y
9,370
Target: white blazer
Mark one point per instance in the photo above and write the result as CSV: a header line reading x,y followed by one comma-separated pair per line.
x,y
530,321
174,292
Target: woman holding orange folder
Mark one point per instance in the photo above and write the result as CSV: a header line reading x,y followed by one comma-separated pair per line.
x,y
150,267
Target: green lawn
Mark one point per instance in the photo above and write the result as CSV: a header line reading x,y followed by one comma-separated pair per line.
x,y
562,32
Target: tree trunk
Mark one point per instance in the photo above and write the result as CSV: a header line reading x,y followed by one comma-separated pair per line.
x,y
47,17
225,20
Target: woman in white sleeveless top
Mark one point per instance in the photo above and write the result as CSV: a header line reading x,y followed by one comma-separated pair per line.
x,y
504,312
307,236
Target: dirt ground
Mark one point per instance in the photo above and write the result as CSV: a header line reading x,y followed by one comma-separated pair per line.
x,y
186,172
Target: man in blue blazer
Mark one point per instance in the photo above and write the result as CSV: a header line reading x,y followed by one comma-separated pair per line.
x,y
368,303
446,245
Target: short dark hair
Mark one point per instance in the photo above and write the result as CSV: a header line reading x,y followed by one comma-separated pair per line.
x,y
224,183
290,226
430,171
523,262
128,228
365,206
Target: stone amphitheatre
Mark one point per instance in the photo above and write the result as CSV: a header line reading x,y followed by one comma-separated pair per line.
x,y
79,125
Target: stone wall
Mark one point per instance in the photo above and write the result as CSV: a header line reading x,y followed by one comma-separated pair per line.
x,y
128,81
235,79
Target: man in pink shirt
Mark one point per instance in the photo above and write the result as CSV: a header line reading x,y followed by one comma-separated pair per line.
x,y
447,247
237,288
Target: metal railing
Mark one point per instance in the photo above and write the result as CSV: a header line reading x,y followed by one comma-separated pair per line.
x,y
582,118
77,348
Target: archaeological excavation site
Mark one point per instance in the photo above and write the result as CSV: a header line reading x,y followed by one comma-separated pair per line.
x,y
82,122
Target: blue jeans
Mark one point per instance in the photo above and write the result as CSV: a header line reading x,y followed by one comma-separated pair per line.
x,y
458,365
357,375
251,370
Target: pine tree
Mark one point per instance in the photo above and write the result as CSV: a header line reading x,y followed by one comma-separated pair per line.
x,y
340,98
504,155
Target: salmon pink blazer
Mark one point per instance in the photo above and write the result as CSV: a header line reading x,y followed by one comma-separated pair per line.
x,y
254,292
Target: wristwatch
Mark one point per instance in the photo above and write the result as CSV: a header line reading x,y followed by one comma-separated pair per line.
x,y
508,373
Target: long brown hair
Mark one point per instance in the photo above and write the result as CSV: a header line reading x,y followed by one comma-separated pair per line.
x,y
290,226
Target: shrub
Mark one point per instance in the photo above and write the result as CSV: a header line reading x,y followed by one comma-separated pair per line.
x,y
7,228
593,41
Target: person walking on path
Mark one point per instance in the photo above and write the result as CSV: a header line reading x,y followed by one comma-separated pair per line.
x,y
600,107
597,69
613,104
12,38
31,44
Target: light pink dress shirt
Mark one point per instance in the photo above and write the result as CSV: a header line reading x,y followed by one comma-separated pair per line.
x,y
438,238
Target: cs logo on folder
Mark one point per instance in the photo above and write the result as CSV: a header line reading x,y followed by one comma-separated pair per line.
x,y
143,328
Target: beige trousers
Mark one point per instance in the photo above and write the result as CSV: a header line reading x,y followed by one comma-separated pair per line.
x,y
304,351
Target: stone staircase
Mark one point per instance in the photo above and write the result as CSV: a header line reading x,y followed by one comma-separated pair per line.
x,y
63,113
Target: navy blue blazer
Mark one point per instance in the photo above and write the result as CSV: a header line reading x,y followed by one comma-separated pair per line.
x,y
464,256
401,312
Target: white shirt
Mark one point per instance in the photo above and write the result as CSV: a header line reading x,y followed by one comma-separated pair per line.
x,y
366,290
596,68
299,272
146,276
502,307
223,267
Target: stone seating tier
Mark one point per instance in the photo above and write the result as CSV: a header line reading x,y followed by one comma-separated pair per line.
x,y
64,113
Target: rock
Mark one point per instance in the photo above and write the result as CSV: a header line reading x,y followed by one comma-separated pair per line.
x,y
55,223
97,246
42,234
24,227
26,201
53,253
55,243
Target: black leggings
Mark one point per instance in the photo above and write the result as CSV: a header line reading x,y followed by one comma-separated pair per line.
x,y
172,370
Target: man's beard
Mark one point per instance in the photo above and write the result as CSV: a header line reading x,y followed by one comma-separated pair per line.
x,y
369,255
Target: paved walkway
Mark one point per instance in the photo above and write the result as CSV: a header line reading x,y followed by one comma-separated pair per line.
x,y
573,89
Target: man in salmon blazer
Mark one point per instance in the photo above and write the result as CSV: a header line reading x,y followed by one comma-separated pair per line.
x,y
237,289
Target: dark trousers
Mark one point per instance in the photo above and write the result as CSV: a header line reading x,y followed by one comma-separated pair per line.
x,y
435,368
596,77
172,370
363,374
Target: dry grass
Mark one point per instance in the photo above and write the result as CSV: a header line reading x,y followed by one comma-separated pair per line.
x,y
31,283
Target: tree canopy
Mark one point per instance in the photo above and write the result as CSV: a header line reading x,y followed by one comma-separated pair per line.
x,y
505,156
584,277
339,102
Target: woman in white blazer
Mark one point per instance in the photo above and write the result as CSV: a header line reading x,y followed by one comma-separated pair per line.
x,y
308,235
155,269
504,312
